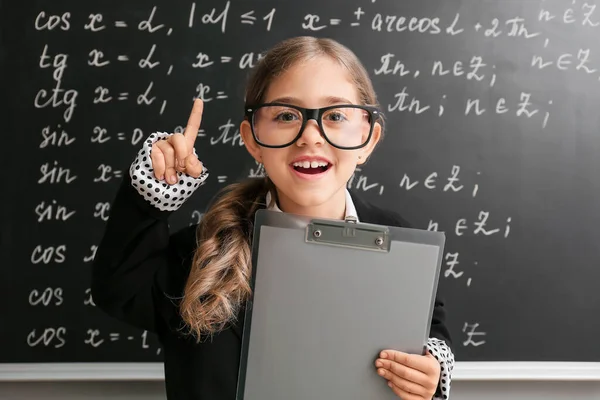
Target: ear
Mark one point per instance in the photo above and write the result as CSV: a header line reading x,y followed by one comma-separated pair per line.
x,y
253,148
365,152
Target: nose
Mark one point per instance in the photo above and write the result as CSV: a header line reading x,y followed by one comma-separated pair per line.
x,y
311,135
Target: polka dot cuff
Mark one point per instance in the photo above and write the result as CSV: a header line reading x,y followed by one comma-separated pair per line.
x,y
445,357
164,196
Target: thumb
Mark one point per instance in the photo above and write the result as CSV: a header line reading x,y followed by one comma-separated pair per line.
x,y
193,166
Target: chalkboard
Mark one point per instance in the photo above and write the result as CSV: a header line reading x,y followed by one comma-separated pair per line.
x,y
493,136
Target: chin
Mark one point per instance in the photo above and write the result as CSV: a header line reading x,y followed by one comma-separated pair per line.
x,y
310,197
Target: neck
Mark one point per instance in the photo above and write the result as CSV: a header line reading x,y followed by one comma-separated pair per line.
x,y
333,208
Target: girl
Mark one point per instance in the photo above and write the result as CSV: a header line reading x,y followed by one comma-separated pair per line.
x,y
311,117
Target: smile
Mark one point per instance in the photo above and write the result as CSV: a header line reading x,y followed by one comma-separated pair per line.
x,y
310,166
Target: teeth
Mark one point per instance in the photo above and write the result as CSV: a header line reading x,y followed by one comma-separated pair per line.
x,y
310,164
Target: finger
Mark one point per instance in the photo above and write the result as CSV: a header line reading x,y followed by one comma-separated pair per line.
x,y
432,359
158,162
193,166
404,372
404,384
191,130
415,361
182,150
403,394
169,153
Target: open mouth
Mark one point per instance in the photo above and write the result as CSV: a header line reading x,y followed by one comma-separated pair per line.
x,y
311,167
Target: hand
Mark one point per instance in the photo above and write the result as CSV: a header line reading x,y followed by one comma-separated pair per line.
x,y
411,376
177,152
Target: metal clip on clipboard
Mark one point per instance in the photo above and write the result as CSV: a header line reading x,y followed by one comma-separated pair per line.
x,y
348,233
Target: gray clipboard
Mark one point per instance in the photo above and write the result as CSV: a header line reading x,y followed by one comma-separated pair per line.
x,y
328,295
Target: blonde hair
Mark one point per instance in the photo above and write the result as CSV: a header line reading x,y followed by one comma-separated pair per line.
x,y
219,280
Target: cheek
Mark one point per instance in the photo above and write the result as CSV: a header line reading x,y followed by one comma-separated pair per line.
x,y
347,161
274,162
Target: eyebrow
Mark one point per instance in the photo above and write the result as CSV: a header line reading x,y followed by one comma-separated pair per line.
x,y
327,100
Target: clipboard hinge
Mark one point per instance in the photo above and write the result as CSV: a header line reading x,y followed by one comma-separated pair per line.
x,y
351,218
348,233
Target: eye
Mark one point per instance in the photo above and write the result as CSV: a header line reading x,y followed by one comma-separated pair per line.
x,y
335,116
286,116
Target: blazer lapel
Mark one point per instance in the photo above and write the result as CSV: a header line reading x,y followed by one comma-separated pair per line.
x,y
364,210
237,326
367,212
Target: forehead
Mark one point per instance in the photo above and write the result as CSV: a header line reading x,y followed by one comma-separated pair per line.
x,y
314,83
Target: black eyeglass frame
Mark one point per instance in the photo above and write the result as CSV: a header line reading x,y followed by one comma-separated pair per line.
x,y
316,114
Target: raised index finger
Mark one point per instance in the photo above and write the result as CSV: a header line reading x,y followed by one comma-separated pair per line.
x,y
191,130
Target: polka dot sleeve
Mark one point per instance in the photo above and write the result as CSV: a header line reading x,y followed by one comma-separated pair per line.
x,y
445,357
160,194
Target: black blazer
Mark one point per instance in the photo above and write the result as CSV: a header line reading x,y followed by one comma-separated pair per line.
x,y
138,262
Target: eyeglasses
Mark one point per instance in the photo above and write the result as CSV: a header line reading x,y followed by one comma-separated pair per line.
x,y
346,127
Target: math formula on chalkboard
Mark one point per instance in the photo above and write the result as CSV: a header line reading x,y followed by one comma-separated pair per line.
x,y
491,135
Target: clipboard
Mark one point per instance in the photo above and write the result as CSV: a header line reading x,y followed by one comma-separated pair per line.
x,y
327,297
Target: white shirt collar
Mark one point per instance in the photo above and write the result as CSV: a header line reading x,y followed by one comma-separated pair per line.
x,y
350,208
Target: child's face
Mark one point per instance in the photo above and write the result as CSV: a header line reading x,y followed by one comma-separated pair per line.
x,y
318,83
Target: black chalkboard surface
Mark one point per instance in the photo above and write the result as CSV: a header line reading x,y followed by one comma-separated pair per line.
x,y
493,136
